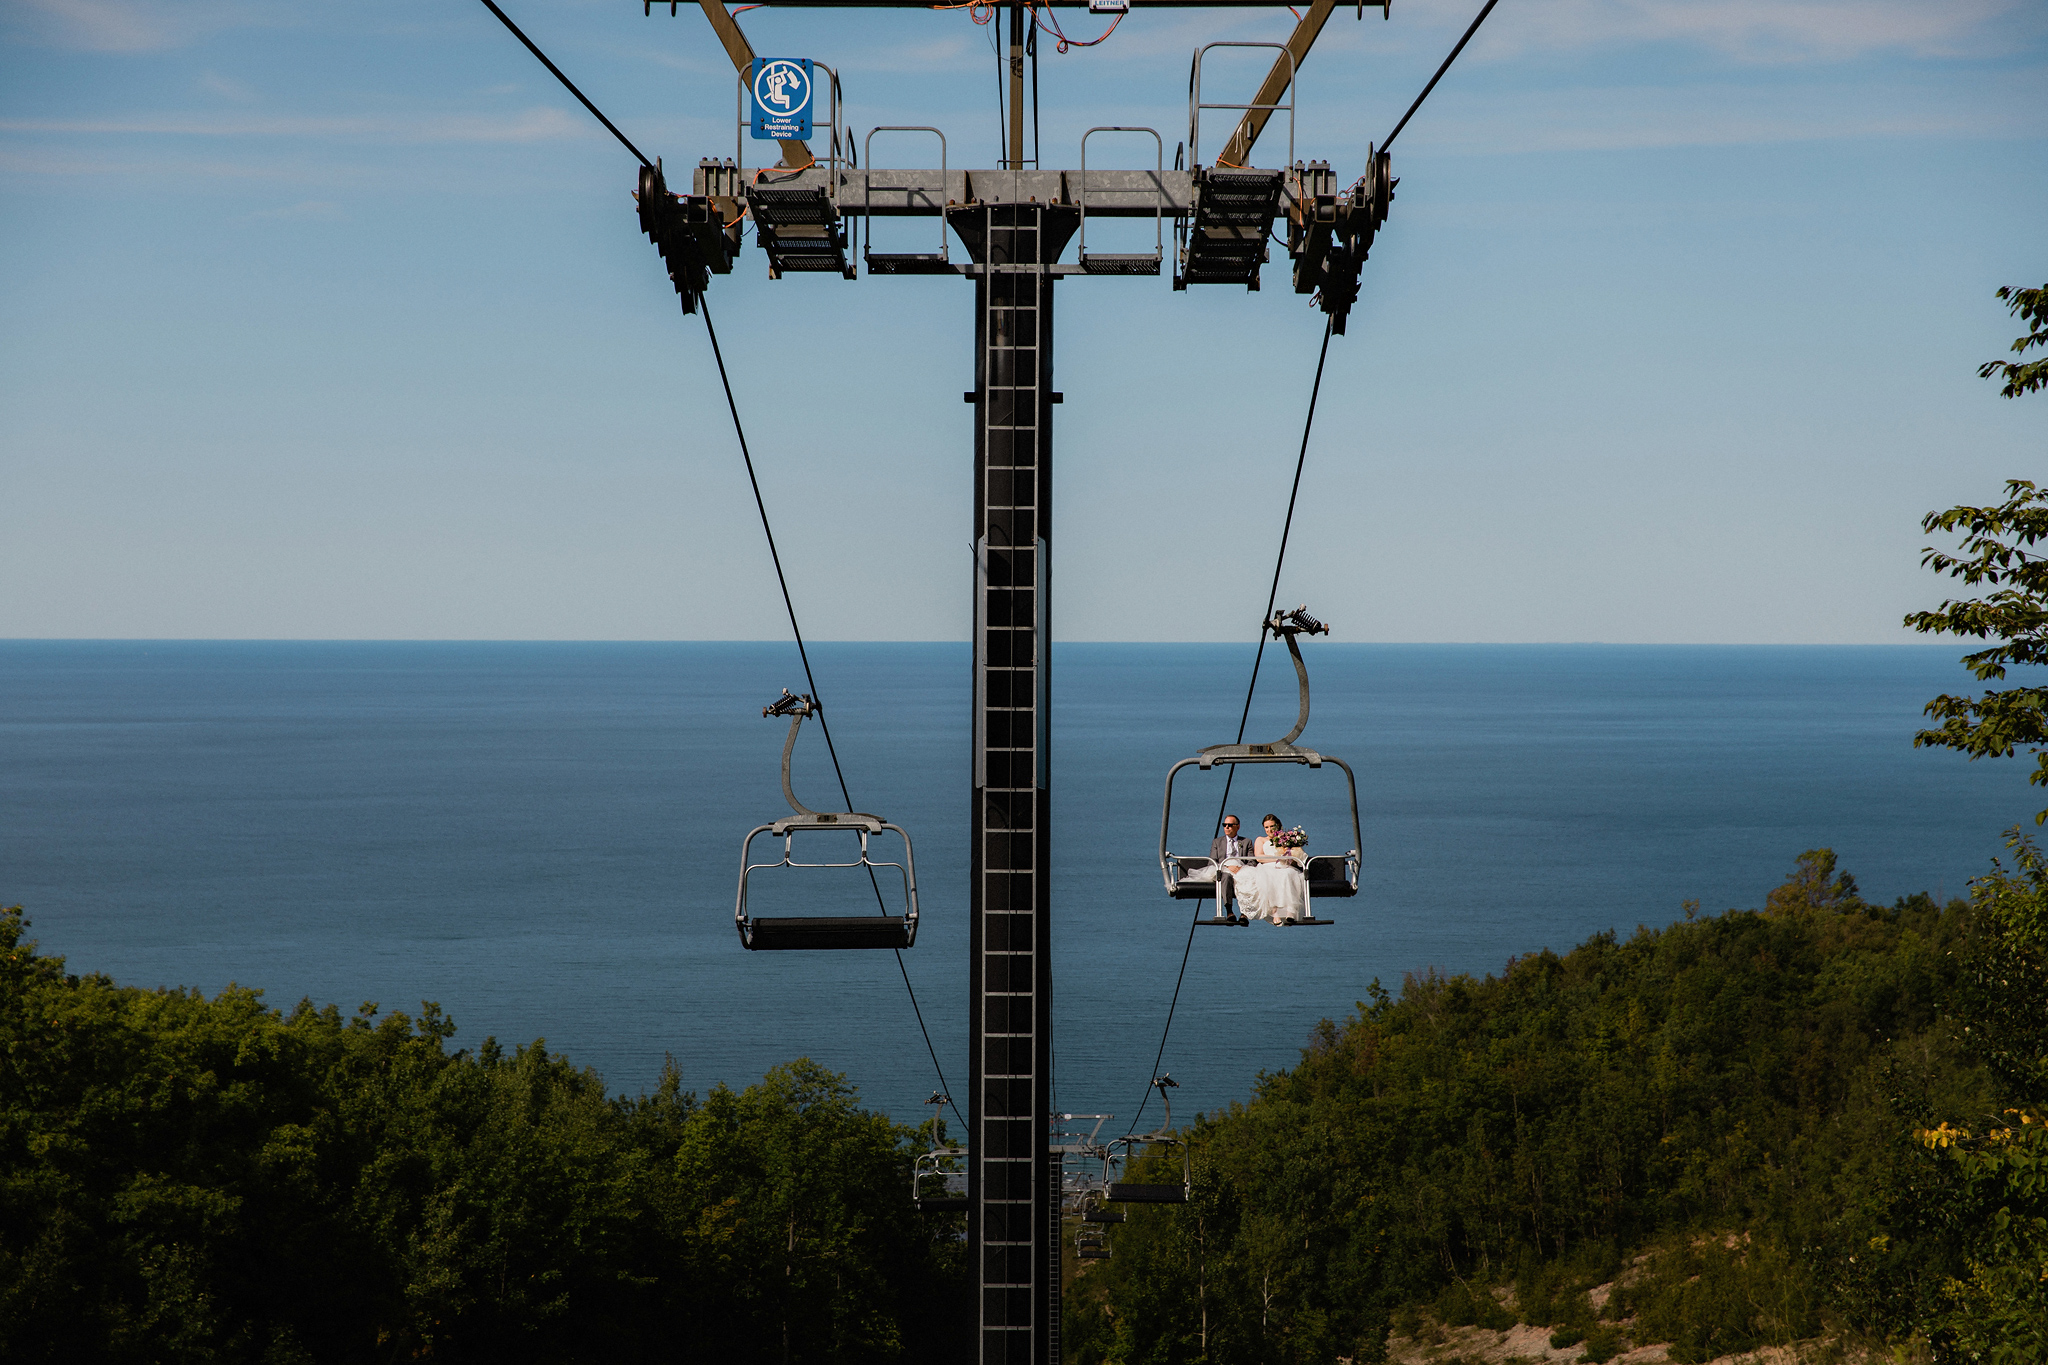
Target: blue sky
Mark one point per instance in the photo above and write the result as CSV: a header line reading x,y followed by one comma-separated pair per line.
x,y
334,321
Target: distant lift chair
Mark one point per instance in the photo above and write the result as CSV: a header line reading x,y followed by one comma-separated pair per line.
x,y
827,931
938,1183
1128,1192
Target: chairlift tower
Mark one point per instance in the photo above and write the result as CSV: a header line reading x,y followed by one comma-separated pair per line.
x,y
1015,222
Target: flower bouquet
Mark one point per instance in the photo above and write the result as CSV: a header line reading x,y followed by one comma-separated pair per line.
x,y
1290,838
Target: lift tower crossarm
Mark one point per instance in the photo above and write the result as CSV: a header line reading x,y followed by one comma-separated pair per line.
x,y
794,153
1038,4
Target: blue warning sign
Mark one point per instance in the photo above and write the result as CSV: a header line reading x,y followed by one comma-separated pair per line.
x,y
781,87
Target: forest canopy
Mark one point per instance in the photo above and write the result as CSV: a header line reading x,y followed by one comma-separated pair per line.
x,y
184,1179
1820,1119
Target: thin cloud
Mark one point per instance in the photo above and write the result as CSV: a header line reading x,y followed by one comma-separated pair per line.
x,y
1755,31
129,25
2013,106
542,123
939,54
306,210
216,84
55,165
696,64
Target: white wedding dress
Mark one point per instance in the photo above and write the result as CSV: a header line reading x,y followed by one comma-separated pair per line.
x,y
1273,891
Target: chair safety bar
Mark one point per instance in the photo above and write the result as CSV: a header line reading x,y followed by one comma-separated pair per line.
x,y
829,931
1170,862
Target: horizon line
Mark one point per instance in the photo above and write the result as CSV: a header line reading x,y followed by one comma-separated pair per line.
x,y
763,640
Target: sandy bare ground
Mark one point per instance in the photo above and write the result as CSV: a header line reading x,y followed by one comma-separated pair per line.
x,y
1525,1345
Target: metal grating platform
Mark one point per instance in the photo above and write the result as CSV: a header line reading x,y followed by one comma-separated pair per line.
x,y
1119,263
800,229
1226,237
909,263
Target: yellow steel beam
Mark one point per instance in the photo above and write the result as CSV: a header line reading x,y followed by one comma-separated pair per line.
x,y
794,153
1017,20
1238,150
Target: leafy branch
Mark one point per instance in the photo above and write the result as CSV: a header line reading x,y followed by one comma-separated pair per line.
x,y
1995,553
1998,552
2031,307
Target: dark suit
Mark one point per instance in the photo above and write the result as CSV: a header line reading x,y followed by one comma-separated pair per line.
x,y
1219,849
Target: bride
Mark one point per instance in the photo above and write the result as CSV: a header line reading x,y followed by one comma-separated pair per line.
x,y
1275,888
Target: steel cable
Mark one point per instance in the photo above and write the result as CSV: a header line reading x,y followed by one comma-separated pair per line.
x,y
1273,596
568,84
782,580
1439,74
788,605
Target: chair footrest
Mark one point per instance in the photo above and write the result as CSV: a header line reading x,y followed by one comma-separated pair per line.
x,y
844,931
1148,1194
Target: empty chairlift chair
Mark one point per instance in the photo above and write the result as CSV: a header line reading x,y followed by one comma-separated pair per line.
x,y
936,1188
1132,1192
938,1182
1082,1191
827,931
1331,876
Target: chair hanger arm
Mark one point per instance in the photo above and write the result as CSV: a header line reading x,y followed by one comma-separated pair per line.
x,y
1300,673
796,708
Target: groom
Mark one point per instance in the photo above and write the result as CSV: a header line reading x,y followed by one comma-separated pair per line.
x,y
1222,849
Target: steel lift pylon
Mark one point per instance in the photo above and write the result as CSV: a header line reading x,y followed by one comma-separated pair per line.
x,y
1015,223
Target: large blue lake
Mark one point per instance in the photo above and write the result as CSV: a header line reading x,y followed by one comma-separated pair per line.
x,y
544,837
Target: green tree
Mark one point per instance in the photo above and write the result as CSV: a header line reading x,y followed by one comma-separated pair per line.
x,y
803,1216
1997,553
2002,998
2031,307
1814,887
1996,1310
1998,1313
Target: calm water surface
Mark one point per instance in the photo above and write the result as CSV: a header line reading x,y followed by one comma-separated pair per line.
x,y
544,837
